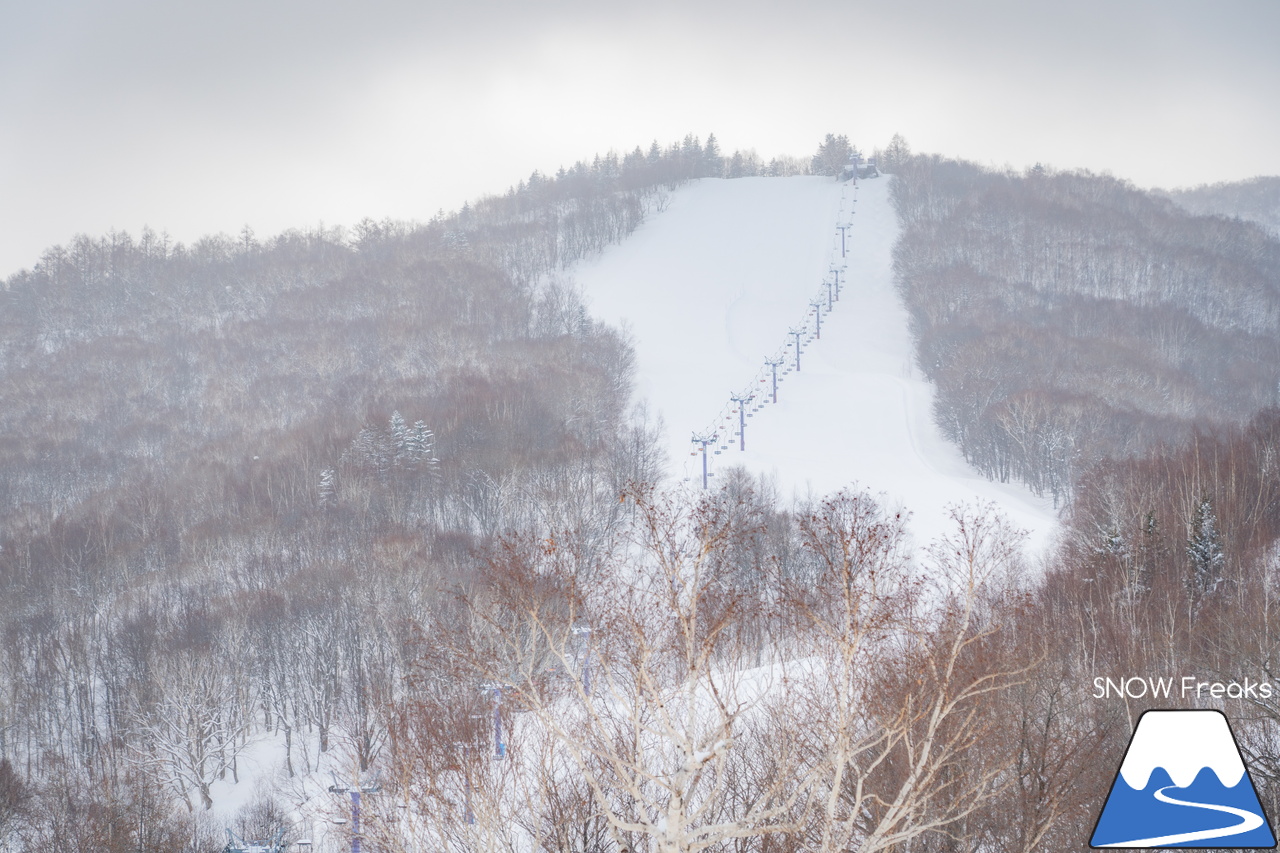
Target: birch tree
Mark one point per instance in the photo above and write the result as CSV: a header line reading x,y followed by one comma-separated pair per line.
x,y
916,675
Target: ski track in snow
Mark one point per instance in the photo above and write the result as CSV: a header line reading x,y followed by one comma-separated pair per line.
x,y
709,288
1248,822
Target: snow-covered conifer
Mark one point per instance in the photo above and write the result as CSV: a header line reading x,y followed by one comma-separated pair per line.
x,y
328,487
422,445
1204,549
399,431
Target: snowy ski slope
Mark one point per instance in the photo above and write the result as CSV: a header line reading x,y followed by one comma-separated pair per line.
x,y
710,288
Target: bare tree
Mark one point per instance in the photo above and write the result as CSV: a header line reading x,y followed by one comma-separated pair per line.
x,y
193,735
904,676
635,717
629,722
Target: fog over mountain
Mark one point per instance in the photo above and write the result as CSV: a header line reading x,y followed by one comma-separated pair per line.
x,y
199,118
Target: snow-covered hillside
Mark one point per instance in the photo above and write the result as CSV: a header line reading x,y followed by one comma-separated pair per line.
x,y
711,287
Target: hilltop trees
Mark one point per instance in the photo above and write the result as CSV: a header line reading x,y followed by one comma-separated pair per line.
x,y
1256,200
833,155
894,155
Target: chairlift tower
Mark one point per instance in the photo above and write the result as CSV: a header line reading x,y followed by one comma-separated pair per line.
x,y
773,366
704,440
467,748
817,316
843,229
836,272
797,333
742,401
469,815
586,632
499,746
371,786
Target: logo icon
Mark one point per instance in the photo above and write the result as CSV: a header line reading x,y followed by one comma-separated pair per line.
x,y
1183,783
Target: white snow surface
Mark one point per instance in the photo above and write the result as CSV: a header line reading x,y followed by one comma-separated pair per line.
x,y
709,289
1183,743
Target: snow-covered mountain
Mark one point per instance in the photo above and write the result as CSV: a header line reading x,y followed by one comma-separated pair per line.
x,y
1183,783
1183,743
711,288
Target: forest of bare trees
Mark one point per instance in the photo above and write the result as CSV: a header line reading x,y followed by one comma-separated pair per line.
x,y
1255,200
232,471
727,676
236,473
1068,317
378,497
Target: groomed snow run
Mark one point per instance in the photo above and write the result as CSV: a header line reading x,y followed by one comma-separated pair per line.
x,y
710,288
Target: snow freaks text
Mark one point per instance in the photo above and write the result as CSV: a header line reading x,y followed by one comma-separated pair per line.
x,y
1184,687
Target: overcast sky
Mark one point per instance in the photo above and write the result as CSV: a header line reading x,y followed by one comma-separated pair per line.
x,y
197,117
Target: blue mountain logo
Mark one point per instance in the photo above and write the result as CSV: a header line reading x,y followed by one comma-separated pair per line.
x,y
1183,783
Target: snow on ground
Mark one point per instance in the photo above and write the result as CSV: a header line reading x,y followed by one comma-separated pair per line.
x,y
315,814
710,288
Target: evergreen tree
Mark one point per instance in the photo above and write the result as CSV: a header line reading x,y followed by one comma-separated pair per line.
x,y
897,153
736,166
712,159
1204,549
399,438
1113,544
833,155
690,157
635,169
372,450
328,487
421,446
